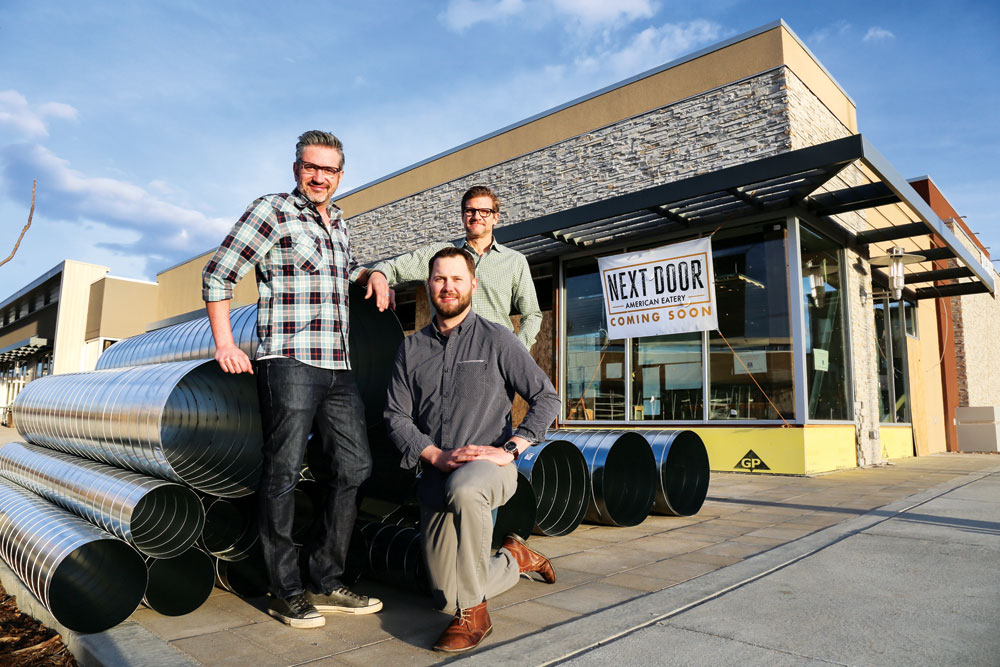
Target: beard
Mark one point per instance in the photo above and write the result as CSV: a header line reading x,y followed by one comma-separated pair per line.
x,y
454,308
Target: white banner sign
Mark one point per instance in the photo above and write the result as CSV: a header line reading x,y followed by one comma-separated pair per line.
x,y
661,291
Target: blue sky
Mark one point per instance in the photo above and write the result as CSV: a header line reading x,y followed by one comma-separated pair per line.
x,y
151,125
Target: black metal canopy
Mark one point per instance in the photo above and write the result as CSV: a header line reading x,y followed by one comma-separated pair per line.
x,y
23,348
785,184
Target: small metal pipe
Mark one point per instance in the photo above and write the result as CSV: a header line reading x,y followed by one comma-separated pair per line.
x,y
89,580
561,482
160,519
622,475
517,515
179,585
182,421
682,464
230,530
395,555
246,578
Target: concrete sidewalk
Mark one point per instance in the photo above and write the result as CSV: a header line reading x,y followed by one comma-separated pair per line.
x,y
773,568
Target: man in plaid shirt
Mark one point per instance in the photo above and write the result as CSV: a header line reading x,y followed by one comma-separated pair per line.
x,y
299,246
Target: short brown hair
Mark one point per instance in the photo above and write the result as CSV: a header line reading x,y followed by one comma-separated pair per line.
x,y
452,251
319,138
481,191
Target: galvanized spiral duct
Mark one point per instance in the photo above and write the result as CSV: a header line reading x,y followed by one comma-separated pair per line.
x,y
682,463
230,530
161,519
246,578
395,555
183,421
517,515
558,474
88,580
180,584
181,342
622,475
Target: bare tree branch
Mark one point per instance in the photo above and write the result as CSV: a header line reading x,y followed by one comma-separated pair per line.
x,y
30,214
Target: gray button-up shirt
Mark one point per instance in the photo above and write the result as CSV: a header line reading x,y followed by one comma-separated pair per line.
x,y
457,390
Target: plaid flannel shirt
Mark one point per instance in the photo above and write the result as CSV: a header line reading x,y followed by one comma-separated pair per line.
x,y
303,269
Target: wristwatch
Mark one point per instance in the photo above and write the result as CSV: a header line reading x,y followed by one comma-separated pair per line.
x,y
510,447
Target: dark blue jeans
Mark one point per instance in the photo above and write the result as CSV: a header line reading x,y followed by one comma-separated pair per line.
x,y
293,396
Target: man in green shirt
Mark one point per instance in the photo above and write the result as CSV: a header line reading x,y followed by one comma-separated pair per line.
x,y
504,277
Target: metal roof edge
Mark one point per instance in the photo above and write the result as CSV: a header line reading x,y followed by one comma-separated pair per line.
x,y
58,268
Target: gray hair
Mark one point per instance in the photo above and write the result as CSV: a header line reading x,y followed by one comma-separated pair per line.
x,y
318,138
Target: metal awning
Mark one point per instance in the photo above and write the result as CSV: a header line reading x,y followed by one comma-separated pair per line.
x,y
793,183
24,348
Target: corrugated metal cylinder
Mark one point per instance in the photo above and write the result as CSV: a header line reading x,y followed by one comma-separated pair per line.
x,y
559,476
682,463
623,475
182,421
230,530
89,580
161,519
517,515
181,584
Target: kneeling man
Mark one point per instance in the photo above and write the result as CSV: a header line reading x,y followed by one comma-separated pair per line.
x,y
449,407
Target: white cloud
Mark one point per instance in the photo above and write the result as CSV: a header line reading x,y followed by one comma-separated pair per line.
x,y
165,230
836,29
593,12
653,47
462,14
16,113
877,34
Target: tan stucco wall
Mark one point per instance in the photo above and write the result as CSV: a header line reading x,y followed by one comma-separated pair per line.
x,y
180,288
120,308
71,322
926,389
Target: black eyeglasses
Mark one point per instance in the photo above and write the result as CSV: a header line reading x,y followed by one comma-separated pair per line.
x,y
308,168
483,212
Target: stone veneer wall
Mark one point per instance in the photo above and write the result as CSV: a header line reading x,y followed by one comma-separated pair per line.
x,y
974,323
736,123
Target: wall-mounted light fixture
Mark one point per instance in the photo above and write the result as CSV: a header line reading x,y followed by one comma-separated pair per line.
x,y
896,260
816,279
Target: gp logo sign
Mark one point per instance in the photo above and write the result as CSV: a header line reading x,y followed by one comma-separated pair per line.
x,y
751,462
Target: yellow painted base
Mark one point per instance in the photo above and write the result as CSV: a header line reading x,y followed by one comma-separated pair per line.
x,y
897,441
783,451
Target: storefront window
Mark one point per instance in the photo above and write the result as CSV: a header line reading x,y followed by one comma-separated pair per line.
x,y
826,358
750,364
667,377
890,343
595,365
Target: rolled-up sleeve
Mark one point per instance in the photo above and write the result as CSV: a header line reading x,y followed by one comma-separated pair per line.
x,y
409,267
526,302
246,244
400,414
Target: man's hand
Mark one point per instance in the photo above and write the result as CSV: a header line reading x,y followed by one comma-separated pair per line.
x,y
233,360
494,454
447,460
379,286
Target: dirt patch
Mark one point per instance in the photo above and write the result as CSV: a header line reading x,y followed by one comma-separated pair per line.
x,y
24,642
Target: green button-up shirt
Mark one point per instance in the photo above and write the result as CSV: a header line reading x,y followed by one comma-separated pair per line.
x,y
504,283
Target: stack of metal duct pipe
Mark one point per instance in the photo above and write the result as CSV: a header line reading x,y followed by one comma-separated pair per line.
x,y
560,480
683,471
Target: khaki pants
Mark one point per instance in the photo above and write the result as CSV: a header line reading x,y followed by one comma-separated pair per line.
x,y
457,540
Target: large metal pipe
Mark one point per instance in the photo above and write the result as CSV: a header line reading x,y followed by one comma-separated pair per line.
x,y
180,584
88,580
517,515
161,519
230,530
374,338
682,464
182,421
622,475
246,578
558,474
395,555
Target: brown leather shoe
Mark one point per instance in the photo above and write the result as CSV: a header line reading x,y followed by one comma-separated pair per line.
x,y
465,632
528,560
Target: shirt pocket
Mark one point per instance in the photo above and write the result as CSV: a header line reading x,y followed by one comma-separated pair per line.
x,y
470,378
299,254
